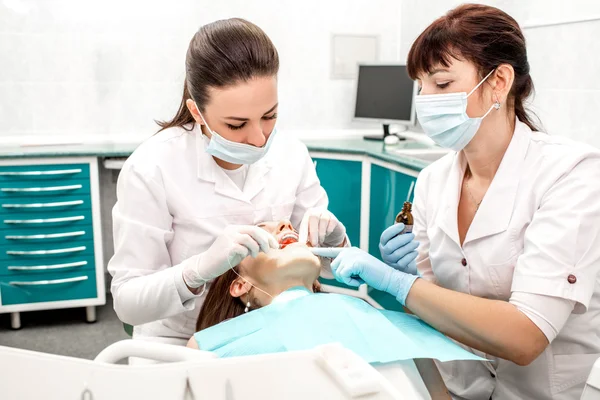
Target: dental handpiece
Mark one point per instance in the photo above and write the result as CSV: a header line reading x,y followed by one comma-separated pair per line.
x,y
329,252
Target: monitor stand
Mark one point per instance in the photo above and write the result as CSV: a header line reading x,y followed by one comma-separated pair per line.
x,y
386,133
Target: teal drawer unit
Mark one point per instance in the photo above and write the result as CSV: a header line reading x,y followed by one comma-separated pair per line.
x,y
50,241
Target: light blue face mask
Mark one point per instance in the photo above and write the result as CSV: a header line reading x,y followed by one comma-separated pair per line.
x,y
444,117
233,152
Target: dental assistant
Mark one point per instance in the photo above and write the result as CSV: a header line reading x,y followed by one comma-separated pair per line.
x,y
190,196
508,224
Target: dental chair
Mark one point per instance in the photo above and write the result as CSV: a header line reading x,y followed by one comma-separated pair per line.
x,y
327,372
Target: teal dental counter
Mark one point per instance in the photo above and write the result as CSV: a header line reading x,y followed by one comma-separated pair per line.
x,y
51,230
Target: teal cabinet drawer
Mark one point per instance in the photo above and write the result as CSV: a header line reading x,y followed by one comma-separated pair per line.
x,y
45,172
57,219
341,180
46,251
67,263
46,236
389,191
23,188
23,289
48,205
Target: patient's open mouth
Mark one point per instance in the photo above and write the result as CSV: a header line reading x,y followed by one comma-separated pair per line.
x,y
287,239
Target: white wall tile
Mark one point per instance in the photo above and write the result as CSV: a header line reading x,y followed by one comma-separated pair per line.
x,y
48,97
126,58
565,56
564,59
17,50
16,110
82,110
570,113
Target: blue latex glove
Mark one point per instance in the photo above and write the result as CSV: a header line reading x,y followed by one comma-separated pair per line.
x,y
354,267
399,251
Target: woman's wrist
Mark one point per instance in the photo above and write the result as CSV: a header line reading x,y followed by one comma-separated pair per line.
x,y
344,242
400,285
196,291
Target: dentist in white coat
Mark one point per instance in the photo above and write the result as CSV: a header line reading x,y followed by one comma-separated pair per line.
x,y
508,223
189,197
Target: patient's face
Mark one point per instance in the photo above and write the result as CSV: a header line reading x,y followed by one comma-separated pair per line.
x,y
293,259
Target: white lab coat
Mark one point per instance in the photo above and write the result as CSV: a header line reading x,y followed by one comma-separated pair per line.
x,y
536,231
173,201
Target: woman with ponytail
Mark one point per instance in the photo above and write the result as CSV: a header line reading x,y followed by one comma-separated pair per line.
x,y
189,198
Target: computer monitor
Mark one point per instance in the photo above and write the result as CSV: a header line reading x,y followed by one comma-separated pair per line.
x,y
385,93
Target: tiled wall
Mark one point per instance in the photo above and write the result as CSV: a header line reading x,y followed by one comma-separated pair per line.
x,y
564,59
111,67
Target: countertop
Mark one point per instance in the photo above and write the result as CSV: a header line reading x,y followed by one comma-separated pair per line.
x,y
356,146
374,149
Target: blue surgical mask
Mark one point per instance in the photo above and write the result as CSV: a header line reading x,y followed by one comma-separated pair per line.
x,y
444,118
233,152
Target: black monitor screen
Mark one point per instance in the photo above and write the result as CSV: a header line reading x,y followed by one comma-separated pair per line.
x,y
384,92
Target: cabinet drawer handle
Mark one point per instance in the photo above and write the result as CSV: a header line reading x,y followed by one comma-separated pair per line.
x,y
38,173
43,189
44,205
47,267
45,252
52,282
48,236
43,221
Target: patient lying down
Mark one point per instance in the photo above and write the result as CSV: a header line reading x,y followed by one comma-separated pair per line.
x,y
268,305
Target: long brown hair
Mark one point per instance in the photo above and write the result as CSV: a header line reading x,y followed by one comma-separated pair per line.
x,y
219,305
222,54
484,35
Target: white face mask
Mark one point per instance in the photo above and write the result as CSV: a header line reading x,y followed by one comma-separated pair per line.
x,y
444,117
233,152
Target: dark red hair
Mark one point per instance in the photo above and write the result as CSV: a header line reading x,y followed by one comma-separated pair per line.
x,y
483,35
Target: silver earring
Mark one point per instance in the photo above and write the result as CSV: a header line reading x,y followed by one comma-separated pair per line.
x,y
247,305
497,102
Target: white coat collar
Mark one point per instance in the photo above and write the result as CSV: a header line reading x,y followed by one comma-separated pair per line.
x,y
209,171
496,209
